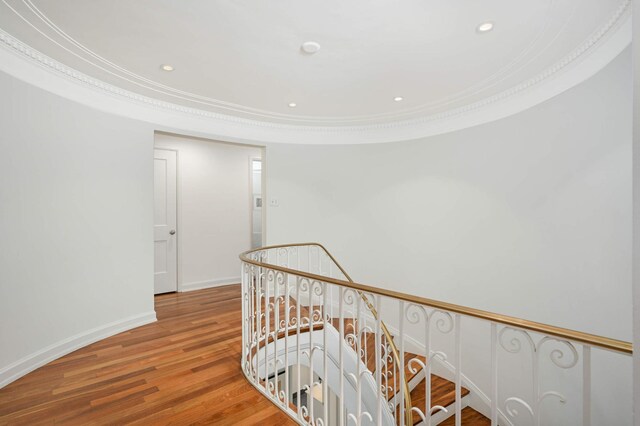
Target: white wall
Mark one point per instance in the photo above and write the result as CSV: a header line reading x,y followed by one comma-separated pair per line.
x,y
528,216
636,210
76,216
529,209
214,207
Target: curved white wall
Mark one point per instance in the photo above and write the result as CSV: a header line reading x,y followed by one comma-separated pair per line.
x,y
636,208
76,226
528,216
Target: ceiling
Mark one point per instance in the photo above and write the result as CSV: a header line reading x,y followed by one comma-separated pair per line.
x,y
243,57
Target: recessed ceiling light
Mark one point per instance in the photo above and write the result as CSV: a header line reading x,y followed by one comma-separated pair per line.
x,y
485,27
310,47
398,98
167,67
292,105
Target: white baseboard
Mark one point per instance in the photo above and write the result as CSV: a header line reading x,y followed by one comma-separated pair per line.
x,y
199,285
37,359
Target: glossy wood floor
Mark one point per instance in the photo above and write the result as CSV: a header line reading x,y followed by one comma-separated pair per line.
x,y
183,369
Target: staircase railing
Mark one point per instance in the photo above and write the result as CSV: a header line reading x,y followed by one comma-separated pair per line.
x,y
315,343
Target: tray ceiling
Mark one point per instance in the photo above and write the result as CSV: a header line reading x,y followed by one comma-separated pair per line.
x,y
244,58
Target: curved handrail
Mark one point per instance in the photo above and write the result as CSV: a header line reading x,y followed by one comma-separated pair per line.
x,y
394,349
564,333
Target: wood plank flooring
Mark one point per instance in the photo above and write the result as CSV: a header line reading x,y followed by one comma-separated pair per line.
x,y
183,369
469,417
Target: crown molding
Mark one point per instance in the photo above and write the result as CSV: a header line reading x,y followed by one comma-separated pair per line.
x,y
39,22
30,65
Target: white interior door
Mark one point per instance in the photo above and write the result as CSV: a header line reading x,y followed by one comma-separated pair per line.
x,y
166,255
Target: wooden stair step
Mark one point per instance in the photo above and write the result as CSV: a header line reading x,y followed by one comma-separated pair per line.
x,y
368,342
350,325
443,392
470,417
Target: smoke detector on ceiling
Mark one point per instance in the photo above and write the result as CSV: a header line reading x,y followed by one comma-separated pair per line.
x,y
310,47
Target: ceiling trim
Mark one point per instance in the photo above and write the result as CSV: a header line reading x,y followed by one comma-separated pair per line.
x,y
35,18
28,64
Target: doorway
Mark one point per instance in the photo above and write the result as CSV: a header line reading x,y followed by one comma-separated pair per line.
x,y
218,211
256,202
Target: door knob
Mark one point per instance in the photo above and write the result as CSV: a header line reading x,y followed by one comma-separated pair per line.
x,y
172,232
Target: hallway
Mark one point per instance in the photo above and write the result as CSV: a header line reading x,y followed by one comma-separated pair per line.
x,y
182,369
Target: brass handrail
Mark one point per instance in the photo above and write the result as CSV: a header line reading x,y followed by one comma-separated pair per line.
x,y
563,333
394,349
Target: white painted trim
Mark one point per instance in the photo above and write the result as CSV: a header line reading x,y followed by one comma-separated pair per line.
x,y
265,198
27,64
229,111
199,285
252,158
56,350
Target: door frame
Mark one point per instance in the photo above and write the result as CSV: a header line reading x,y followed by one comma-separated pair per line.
x,y
262,192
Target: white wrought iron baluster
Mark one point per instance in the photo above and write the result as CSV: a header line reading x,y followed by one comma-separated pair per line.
x,y
494,374
287,310
332,303
385,346
377,355
250,319
427,373
298,389
536,387
400,385
364,345
258,282
255,334
245,320
245,299
267,329
586,385
310,391
357,329
249,341
340,350
325,395
558,357
276,330
458,355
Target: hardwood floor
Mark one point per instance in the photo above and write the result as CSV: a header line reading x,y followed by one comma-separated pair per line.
x,y
183,369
